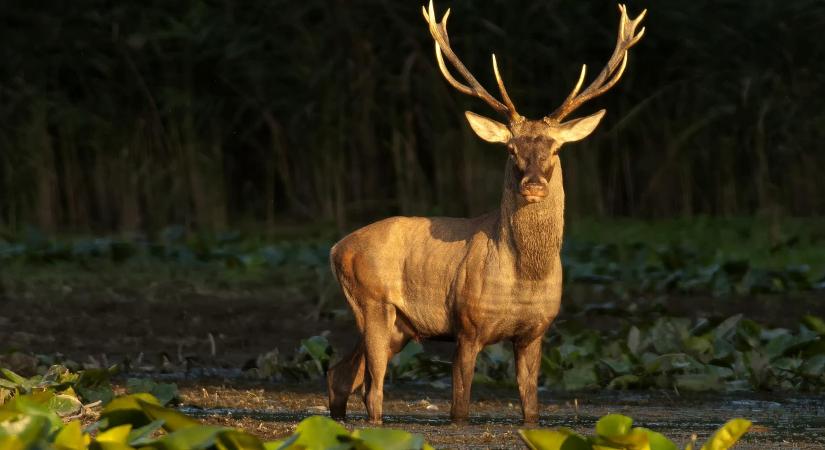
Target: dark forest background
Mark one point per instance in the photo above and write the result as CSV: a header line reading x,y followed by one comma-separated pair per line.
x,y
129,116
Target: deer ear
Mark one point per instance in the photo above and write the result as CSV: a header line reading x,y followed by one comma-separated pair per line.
x,y
578,129
489,129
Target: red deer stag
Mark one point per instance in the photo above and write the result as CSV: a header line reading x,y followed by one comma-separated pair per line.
x,y
480,280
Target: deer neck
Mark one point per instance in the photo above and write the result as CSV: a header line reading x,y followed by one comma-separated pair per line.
x,y
531,233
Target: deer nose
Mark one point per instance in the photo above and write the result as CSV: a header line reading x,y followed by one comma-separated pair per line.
x,y
533,190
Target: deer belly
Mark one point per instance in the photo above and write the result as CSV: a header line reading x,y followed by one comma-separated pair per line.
x,y
423,315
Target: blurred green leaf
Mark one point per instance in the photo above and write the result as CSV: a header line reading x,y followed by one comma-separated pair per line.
x,y
163,392
386,439
142,436
64,405
71,437
127,409
613,425
726,436
556,439
814,323
172,420
580,377
658,441
318,433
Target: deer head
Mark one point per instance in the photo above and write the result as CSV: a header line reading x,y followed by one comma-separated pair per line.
x,y
534,144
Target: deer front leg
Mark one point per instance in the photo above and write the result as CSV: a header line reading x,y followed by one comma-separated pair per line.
x,y
528,362
464,365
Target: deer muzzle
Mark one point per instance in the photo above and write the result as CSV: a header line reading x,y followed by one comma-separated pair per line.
x,y
533,191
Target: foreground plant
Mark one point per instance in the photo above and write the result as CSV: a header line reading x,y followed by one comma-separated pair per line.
x,y
70,388
36,416
138,421
616,431
736,354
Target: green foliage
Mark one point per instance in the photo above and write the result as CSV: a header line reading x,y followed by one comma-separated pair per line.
x,y
31,430
735,354
616,431
137,421
26,427
164,392
202,250
64,390
311,361
700,257
725,437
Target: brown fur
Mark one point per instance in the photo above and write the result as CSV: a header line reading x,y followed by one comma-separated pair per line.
x,y
479,280
482,280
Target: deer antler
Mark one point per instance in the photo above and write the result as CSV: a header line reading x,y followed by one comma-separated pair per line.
x,y
611,72
442,43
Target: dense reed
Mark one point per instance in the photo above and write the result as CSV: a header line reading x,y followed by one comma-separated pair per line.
x,y
225,114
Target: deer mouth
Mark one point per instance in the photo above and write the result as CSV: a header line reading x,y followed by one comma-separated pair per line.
x,y
534,194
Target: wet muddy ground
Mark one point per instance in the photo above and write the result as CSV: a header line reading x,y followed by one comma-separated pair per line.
x,y
198,320
780,422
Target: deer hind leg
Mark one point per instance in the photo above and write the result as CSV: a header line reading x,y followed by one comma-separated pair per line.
x,y
344,378
382,339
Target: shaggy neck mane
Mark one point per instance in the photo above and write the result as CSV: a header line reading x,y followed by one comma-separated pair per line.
x,y
532,233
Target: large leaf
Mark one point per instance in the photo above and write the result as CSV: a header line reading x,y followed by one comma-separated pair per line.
x,y
28,430
580,377
142,435
623,382
281,444
726,329
12,443
13,377
658,441
164,392
318,433
388,439
71,437
91,394
316,347
32,407
727,435
64,405
698,382
238,440
172,420
115,435
191,438
126,409
614,425
403,360
557,439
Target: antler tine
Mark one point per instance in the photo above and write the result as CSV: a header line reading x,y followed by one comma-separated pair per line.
x,y
442,48
612,71
510,106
